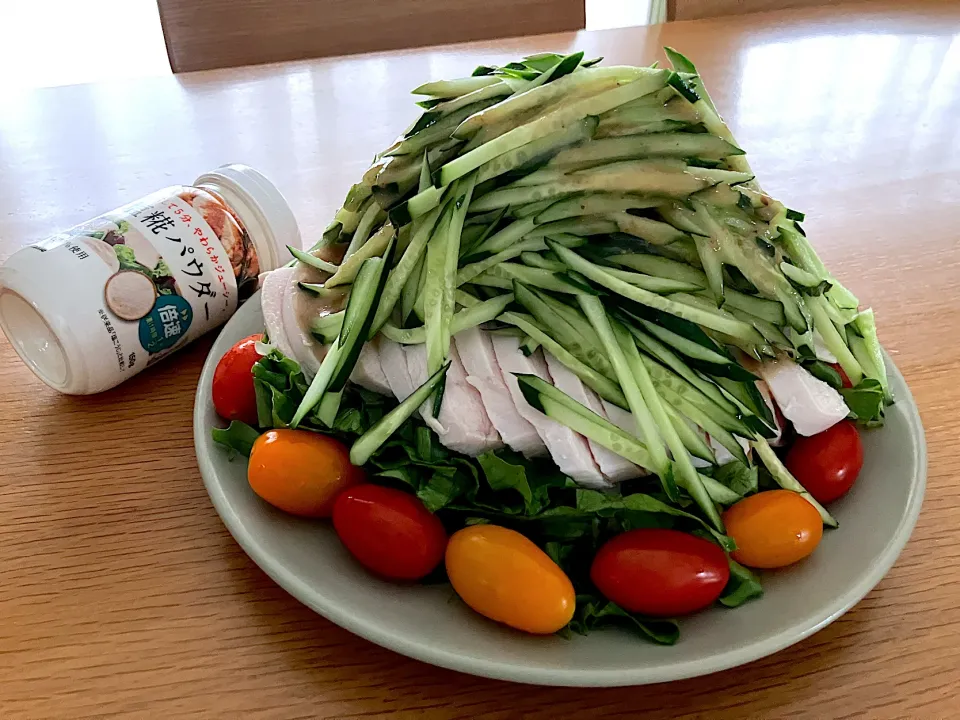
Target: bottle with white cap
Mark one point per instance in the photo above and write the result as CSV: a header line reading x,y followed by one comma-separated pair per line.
x,y
94,305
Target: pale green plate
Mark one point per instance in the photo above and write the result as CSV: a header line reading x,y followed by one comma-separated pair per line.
x,y
431,624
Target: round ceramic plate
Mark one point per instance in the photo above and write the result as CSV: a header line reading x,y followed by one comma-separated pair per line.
x,y
431,624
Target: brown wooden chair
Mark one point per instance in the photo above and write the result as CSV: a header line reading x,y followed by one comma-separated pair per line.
x,y
698,9
206,34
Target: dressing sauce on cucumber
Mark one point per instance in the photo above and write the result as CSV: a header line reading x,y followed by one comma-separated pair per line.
x,y
309,306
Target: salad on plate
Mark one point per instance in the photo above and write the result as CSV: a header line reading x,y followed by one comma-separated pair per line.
x,y
559,349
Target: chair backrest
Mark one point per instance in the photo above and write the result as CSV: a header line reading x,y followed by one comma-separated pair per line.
x,y
205,34
698,9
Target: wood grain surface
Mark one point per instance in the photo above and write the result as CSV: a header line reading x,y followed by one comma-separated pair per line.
x,y
121,593
699,9
227,33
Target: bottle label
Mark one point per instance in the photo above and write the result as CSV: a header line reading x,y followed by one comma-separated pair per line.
x,y
148,278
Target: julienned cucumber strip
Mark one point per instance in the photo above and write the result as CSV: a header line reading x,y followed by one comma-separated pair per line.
x,y
681,145
533,209
661,286
536,277
404,270
646,425
469,272
681,458
787,481
326,328
594,204
329,407
438,290
534,259
538,150
319,384
663,178
867,326
597,274
374,247
411,290
665,355
661,267
653,231
565,115
704,420
467,318
557,405
357,317
692,438
313,261
567,325
368,221
515,106
667,381
454,88
832,339
748,397
368,443
600,384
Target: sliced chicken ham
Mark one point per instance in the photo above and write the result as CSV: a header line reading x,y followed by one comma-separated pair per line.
x,y
308,353
368,372
475,349
463,422
568,449
272,290
809,403
614,468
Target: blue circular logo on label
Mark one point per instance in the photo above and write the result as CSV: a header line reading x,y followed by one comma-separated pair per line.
x,y
163,326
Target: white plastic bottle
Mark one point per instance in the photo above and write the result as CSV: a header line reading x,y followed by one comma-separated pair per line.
x,y
94,305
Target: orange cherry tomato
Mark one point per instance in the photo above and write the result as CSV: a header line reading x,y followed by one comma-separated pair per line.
x,y
773,529
505,577
300,472
233,395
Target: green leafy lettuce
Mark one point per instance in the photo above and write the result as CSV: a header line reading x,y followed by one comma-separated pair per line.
x,y
529,495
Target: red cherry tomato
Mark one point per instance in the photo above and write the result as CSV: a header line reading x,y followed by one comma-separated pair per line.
x,y
844,378
660,572
389,531
827,464
233,395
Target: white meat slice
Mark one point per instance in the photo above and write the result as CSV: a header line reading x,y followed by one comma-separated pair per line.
x,y
368,372
393,362
568,449
272,289
614,467
623,419
810,404
820,349
463,424
475,349
302,343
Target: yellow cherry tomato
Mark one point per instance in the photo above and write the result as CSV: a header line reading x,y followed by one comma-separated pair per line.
x,y
773,529
300,472
505,577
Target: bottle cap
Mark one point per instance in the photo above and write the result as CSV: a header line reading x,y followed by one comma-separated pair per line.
x,y
267,217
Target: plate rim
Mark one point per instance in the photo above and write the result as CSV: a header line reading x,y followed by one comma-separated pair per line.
x,y
517,672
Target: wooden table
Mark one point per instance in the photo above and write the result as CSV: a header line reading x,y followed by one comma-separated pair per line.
x,y
121,593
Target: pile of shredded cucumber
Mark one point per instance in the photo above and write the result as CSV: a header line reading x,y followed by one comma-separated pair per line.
x,y
608,215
